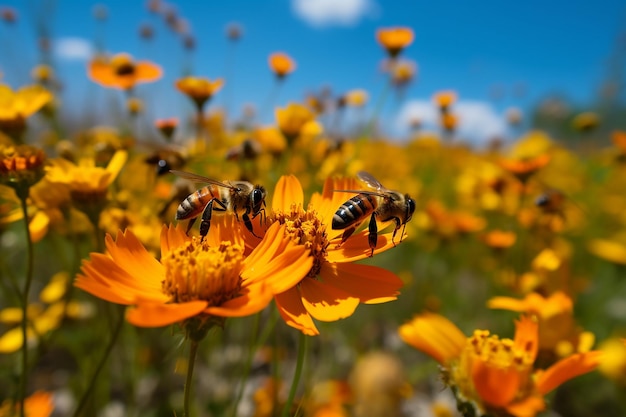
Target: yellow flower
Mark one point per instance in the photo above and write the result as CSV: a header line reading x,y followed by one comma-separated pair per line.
x,y
395,39
205,280
294,120
585,122
17,106
613,362
123,72
198,89
496,376
334,286
281,64
356,98
85,180
608,250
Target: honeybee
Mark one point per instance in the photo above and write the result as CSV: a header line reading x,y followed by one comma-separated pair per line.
x,y
239,197
166,159
380,204
551,201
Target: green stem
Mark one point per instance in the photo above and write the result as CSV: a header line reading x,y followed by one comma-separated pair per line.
x,y
297,374
193,350
103,360
248,363
24,302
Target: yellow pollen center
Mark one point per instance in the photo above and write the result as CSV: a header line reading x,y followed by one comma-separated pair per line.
x,y
197,271
306,228
501,353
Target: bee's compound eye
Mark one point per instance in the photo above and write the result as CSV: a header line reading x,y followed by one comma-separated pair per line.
x,y
410,207
163,167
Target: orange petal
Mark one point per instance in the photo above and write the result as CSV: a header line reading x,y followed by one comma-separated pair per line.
x,y
282,272
370,283
528,407
326,302
242,306
434,335
128,253
288,191
158,315
566,369
171,238
39,404
147,71
495,386
357,247
273,242
527,335
292,310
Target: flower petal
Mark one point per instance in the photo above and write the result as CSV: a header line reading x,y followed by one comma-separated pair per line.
x,y
357,247
566,369
158,315
171,238
434,335
496,386
292,311
288,191
242,306
371,284
326,302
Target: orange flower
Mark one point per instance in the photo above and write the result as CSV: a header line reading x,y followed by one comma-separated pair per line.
x,y
21,166
122,72
499,239
394,40
523,169
281,64
444,99
199,89
39,404
495,375
166,126
208,280
558,332
334,286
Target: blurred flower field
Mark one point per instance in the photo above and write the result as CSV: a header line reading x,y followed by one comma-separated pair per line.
x,y
217,265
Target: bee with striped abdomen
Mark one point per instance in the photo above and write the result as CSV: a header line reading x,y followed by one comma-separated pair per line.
x,y
379,204
239,197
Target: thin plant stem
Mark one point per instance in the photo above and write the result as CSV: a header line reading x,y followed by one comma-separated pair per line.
x,y
369,129
298,372
248,363
103,360
24,302
193,350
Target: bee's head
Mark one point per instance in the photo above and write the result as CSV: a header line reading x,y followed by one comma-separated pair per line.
x,y
258,198
410,207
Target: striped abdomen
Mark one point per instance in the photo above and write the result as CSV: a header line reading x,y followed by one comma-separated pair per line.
x,y
192,206
354,211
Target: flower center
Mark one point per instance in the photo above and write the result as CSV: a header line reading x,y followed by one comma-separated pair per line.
x,y
197,271
500,353
306,228
123,65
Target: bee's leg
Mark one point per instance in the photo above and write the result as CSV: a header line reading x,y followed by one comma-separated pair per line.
x,y
346,234
206,219
190,224
248,221
206,216
393,236
372,237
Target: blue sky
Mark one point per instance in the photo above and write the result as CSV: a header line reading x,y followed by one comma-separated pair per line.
x,y
469,46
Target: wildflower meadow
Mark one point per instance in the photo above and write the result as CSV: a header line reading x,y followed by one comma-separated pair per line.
x,y
177,241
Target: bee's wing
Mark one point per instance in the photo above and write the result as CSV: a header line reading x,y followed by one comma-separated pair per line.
x,y
199,178
361,192
370,181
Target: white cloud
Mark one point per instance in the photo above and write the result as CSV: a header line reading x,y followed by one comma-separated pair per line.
x,y
332,12
73,49
478,120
